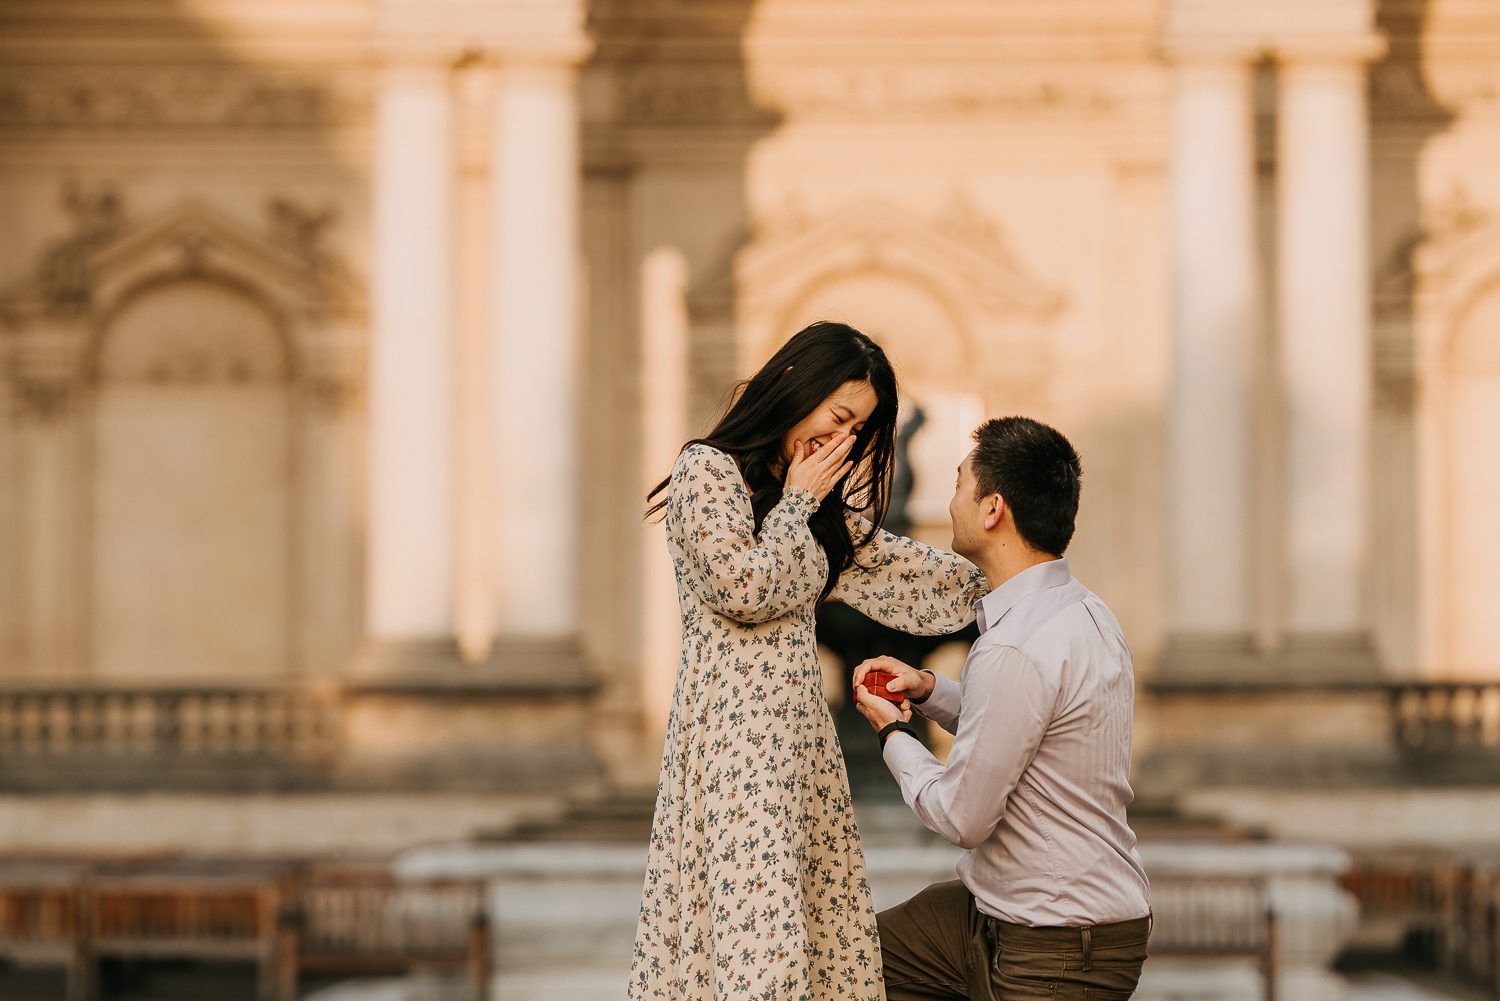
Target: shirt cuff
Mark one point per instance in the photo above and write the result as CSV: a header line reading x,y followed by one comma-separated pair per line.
x,y
800,497
943,703
902,750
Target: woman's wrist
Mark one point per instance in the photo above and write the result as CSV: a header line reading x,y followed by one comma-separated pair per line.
x,y
800,494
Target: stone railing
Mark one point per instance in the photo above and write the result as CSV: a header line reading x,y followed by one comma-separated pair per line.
x,y
1447,717
1446,733
106,735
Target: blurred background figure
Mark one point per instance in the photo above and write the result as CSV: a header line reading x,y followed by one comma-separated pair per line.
x,y
340,341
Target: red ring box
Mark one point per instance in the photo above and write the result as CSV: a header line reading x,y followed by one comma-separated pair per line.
x,y
875,682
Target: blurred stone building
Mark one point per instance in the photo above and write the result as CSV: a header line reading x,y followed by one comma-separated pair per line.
x,y
341,340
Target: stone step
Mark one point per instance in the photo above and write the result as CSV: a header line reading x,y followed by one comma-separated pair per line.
x,y
565,914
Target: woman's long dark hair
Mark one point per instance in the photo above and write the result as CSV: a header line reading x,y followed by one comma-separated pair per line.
x,y
799,377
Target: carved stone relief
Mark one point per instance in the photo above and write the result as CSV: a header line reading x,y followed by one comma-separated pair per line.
x,y
98,217
1427,250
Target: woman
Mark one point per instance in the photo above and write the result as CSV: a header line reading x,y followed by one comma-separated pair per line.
x,y
755,886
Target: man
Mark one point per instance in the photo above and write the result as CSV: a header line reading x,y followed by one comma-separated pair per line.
x,y
1052,899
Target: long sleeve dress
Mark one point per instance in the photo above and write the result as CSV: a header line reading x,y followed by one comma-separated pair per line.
x,y
755,883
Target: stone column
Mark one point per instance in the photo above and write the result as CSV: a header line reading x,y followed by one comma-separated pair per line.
x,y
664,427
411,474
1323,250
474,571
45,383
1215,316
534,348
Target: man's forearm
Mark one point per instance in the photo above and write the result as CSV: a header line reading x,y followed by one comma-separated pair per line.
x,y
941,704
916,772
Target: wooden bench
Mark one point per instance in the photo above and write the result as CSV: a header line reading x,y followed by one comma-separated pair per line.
x,y
1472,938
42,908
1216,917
211,910
366,921
286,919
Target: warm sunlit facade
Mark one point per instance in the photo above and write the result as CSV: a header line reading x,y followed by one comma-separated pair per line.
x,y
343,339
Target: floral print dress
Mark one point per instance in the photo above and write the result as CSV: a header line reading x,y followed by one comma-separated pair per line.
x,y
755,882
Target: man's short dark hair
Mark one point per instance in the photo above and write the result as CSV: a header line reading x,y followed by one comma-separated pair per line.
x,y
1037,472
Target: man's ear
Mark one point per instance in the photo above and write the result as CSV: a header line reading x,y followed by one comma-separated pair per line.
x,y
994,512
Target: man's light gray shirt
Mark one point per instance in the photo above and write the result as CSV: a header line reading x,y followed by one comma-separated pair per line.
x,y
1037,780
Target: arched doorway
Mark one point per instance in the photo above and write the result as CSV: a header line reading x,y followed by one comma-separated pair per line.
x,y
941,401
192,473
932,356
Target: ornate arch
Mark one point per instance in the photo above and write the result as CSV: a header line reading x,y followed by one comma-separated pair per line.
x,y
1426,298
57,316
959,259
54,323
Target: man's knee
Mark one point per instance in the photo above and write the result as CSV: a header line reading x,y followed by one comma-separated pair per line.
x,y
940,903
925,942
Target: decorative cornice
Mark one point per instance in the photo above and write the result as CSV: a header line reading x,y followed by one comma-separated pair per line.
x,y
1356,49
504,31
143,99
720,94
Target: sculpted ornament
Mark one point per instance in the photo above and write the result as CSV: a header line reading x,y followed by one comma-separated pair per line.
x,y
1442,226
301,230
98,217
41,400
1455,217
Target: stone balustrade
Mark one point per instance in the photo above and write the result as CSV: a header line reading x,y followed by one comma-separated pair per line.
x,y
1447,716
98,737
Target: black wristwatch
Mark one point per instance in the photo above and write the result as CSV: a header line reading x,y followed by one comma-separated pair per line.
x,y
899,726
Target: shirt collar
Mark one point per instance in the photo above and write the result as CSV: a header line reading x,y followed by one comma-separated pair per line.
x,y
1032,580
